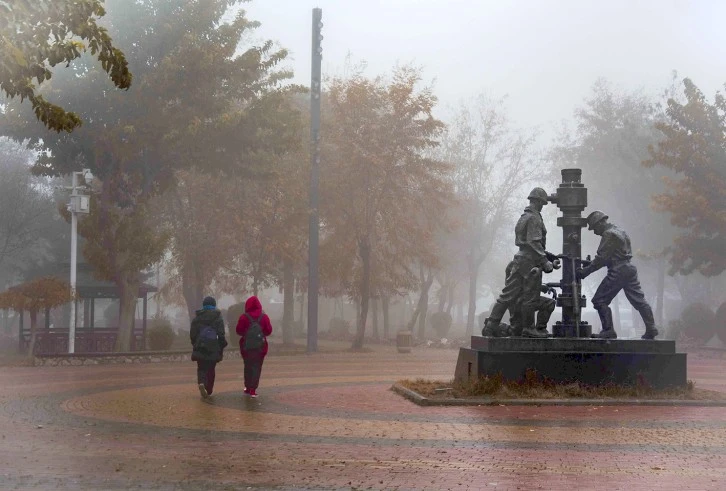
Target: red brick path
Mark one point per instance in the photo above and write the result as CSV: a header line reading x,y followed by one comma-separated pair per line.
x,y
329,421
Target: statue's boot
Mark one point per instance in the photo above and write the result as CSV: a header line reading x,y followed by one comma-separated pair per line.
x,y
543,315
647,314
606,319
491,324
515,321
650,333
531,332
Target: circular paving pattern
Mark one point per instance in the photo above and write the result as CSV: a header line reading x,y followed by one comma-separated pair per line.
x,y
330,421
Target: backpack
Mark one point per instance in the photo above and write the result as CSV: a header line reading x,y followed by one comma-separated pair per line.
x,y
254,339
207,340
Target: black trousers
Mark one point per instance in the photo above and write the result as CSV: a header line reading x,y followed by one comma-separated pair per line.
x,y
253,368
206,371
622,277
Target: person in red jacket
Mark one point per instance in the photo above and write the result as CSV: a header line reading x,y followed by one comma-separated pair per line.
x,y
253,351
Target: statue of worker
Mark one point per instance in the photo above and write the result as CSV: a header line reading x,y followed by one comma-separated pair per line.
x,y
521,292
615,253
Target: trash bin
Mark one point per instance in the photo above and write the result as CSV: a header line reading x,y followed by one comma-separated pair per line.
x,y
404,341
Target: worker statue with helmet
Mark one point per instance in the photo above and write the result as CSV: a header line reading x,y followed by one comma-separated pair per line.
x,y
615,252
521,292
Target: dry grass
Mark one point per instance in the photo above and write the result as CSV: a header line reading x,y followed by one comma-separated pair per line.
x,y
535,387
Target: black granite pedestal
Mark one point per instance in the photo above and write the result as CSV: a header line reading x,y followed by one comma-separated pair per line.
x,y
588,361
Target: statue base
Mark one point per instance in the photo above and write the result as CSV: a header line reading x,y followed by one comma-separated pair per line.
x,y
565,360
569,330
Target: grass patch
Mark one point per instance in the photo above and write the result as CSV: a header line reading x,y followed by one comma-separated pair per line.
x,y
534,387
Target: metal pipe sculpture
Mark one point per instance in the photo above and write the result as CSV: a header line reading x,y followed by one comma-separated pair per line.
x,y
571,199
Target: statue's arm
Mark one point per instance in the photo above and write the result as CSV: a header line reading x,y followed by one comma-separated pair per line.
x,y
604,252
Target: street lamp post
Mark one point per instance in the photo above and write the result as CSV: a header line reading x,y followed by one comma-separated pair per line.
x,y
79,203
314,228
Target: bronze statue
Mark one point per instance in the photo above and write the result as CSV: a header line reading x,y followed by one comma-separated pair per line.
x,y
615,252
521,292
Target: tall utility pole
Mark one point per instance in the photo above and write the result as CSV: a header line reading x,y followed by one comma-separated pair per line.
x,y
315,90
79,204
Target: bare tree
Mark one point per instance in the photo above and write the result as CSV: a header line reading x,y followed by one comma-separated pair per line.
x,y
492,161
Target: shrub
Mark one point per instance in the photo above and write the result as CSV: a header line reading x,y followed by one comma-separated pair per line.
x,y
721,322
338,329
698,322
160,335
441,323
339,326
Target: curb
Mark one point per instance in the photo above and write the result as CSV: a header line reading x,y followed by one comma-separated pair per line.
x,y
420,400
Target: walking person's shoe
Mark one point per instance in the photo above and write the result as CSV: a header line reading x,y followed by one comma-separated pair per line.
x,y
203,391
247,391
650,333
252,393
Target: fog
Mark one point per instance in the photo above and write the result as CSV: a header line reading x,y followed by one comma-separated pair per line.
x,y
563,83
544,55
443,210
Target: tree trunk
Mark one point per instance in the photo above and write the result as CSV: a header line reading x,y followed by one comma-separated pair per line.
x,y
424,301
471,312
452,290
128,287
192,297
365,292
386,321
376,334
288,301
443,295
302,304
414,317
33,331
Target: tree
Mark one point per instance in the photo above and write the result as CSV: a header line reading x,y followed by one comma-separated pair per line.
x,y
36,295
199,102
36,36
613,131
382,196
204,218
27,206
492,162
695,148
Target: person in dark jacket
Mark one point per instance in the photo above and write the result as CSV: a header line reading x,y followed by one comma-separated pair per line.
x,y
208,343
253,358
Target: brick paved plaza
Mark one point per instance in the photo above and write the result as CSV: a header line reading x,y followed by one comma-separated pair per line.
x,y
329,421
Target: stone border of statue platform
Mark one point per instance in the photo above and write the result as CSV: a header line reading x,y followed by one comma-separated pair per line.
x,y
420,400
131,357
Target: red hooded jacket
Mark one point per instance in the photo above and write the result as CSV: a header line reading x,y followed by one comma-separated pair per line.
x,y
253,307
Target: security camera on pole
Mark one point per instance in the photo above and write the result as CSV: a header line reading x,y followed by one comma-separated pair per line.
x,y
79,203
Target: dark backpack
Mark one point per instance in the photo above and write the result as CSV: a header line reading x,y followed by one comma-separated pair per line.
x,y
254,339
207,340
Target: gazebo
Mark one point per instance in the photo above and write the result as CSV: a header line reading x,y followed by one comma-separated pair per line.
x,y
53,339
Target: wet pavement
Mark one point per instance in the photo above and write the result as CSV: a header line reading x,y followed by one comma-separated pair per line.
x,y
330,421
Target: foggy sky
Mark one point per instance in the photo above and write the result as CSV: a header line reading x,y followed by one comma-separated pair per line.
x,y
545,55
